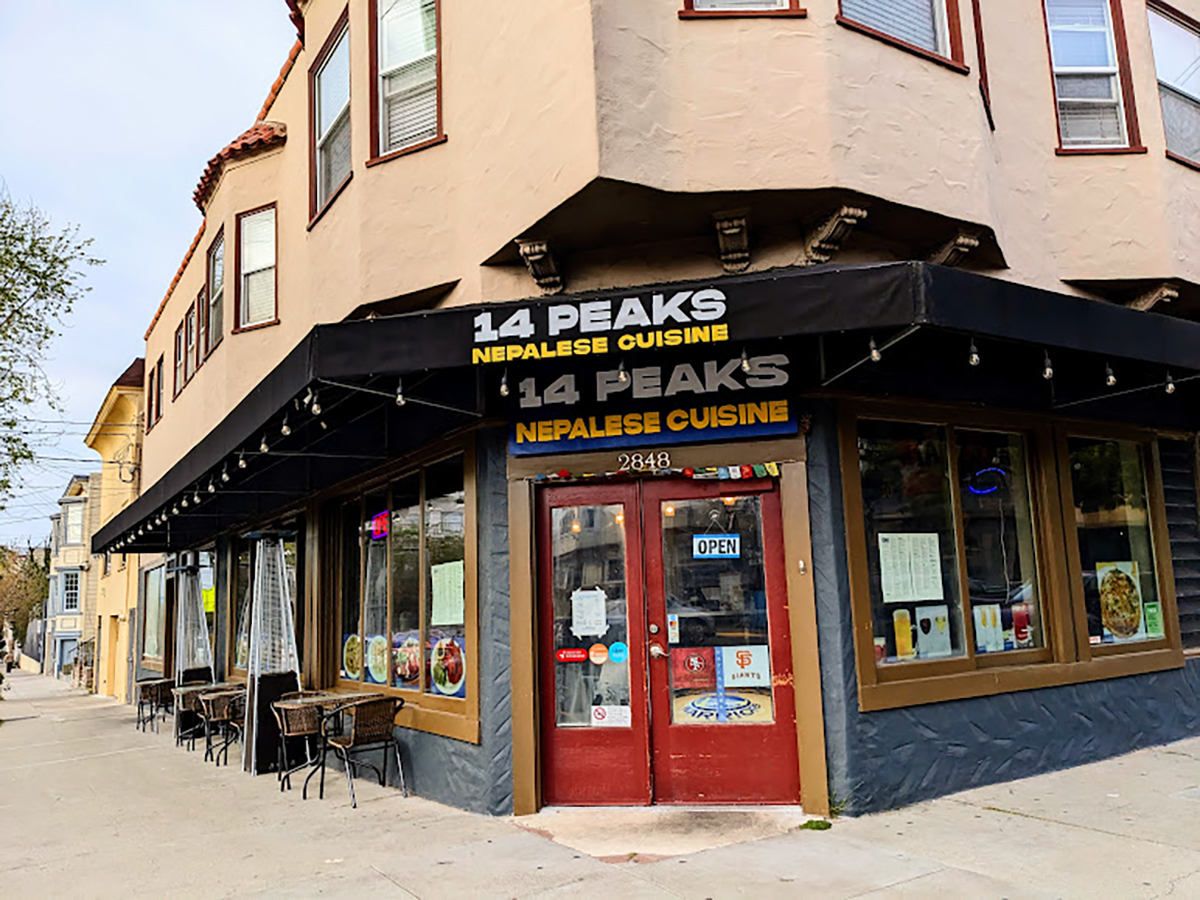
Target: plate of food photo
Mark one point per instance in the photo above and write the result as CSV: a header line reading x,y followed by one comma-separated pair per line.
x,y
406,660
352,657
1120,604
377,658
449,668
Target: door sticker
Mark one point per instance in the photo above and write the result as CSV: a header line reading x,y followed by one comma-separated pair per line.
x,y
612,717
673,628
618,652
569,654
598,654
716,546
746,666
589,612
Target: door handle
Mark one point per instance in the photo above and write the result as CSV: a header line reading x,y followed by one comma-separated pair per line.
x,y
656,650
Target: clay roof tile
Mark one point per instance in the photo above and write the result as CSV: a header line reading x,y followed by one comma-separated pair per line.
x,y
259,137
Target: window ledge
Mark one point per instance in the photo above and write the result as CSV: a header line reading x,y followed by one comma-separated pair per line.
x,y
337,192
1184,161
743,13
952,64
991,681
256,326
405,151
1098,151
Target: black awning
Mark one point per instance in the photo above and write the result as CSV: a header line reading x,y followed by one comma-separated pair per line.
x,y
436,352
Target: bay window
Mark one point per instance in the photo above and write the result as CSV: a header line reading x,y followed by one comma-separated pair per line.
x,y
1090,74
330,91
216,292
1177,61
927,27
988,550
405,88
705,8
257,302
189,344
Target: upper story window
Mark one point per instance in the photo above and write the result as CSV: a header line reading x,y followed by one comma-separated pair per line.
x,y
189,330
256,268
70,591
180,380
331,116
408,107
216,292
737,5
1177,61
73,519
1089,82
929,27
156,391
201,307
151,397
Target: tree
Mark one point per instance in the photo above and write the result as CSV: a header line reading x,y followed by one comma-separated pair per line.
x,y
24,584
41,278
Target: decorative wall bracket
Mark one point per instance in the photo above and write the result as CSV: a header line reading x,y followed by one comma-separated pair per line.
x,y
733,240
955,250
1161,293
542,265
827,238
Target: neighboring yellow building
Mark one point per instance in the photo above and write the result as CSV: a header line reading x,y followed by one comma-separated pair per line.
x,y
116,434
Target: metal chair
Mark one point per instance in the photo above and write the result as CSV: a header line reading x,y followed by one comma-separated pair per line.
x,y
296,722
153,696
189,718
372,724
223,712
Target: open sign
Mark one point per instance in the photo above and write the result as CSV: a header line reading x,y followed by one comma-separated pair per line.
x,y
716,546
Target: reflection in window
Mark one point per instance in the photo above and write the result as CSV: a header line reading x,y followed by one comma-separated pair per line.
x,y
1116,549
912,553
405,536
445,560
1177,61
242,588
999,541
156,600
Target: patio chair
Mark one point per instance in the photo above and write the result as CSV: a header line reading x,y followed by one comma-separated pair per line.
x,y
305,723
223,713
153,696
372,724
189,719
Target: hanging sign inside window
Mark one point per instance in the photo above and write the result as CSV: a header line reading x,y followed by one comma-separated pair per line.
x,y
748,666
716,546
910,567
589,612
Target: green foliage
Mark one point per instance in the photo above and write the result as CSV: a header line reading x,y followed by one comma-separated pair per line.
x,y
24,584
41,279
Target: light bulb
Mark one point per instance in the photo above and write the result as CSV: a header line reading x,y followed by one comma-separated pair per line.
x,y
212,488
876,356
1109,378
174,510
316,405
242,460
264,447
285,429
745,361
184,502
1170,388
196,497
1047,369
668,510
504,384
622,374
399,392
973,356
620,518
225,474
576,526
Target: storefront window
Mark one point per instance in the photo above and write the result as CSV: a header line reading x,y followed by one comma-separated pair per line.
x,y
242,588
375,588
405,538
156,612
207,561
445,527
998,538
1116,549
912,549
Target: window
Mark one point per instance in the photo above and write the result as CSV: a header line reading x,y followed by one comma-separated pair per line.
x,y
216,292
73,513
928,27
998,552
331,116
704,8
245,553
1089,83
151,398
70,591
154,622
406,597
256,264
106,561
156,395
180,378
206,561
189,330
201,327
1177,60
405,86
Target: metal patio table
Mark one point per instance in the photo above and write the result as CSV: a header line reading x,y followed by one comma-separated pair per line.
x,y
325,703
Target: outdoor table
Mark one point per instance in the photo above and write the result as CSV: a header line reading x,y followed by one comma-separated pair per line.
x,y
325,703
187,699
149,694
211,692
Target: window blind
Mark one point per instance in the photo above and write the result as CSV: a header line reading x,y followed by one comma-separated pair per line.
x,y
915,22
407,73
258,267
1085,73
1183,526
1177,62
216,291
739,4
333,85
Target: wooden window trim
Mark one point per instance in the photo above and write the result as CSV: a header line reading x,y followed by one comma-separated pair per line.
x,y
1193,24
180,351
956,61
151,383
985,87
1067,657
340,27
201,328
219,240
1133,134
1183,161
452,717
238,327
794,11
158,397
375,157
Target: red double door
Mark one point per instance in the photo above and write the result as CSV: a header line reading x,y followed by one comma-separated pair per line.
x,y
665,669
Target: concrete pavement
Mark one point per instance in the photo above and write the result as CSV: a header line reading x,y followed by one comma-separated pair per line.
x,y
89,807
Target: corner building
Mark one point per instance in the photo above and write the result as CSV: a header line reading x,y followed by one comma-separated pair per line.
x,y
731,402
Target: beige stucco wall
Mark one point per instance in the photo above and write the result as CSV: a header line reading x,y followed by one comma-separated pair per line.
x,y
542,101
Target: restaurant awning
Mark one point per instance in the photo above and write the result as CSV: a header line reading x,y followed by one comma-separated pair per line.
x,y
915,311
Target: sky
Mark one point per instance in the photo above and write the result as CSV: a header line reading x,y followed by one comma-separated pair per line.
x,y
109,112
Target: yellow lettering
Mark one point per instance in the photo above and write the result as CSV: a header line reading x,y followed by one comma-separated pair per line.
x,y
677,419
531,352
756,412
481,355
512,351
547,353
564,348
625,342
698,334
645,341
652,422
673,338
612,426
583,347
526,434
720,332
698,417
594,430
727,415
579,429
561,427
600,345
633,424
545,431
777,410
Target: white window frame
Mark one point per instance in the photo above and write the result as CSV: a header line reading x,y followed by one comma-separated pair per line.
x,y
70,510
1114,71
384,74
325,191
216,325
70,596
244,320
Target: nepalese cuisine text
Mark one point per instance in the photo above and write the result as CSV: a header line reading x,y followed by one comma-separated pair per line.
x,y
644,423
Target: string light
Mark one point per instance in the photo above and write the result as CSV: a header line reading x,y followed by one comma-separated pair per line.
x,y
745,361
175,510
225,474
876,356
184,502
308,397
622,374
1170,388
241,459
504,384
1109,378
285,429
264,447
1047,369
212,488
400,392
196,496
316,404
973,354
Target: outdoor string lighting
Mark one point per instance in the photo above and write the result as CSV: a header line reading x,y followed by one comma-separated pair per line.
x,y
622,373
316,404
285,429
745,361
264,447
973,354
1047,369
876,356
504,384
400,392
1109,378
241,464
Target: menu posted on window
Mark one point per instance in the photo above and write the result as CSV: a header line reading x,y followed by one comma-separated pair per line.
x,y
910,567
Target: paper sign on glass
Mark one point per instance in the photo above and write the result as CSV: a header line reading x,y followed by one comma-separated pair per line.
x,y
589,612
447,607
716,546
989,635
933,631
612,716
910,567
748,666
1121,600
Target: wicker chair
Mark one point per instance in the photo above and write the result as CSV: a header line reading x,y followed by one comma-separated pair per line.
x,y
302,722
153,696
189,718
372,724
223,713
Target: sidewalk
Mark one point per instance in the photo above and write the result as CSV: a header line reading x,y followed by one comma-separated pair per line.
x,y
90,807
